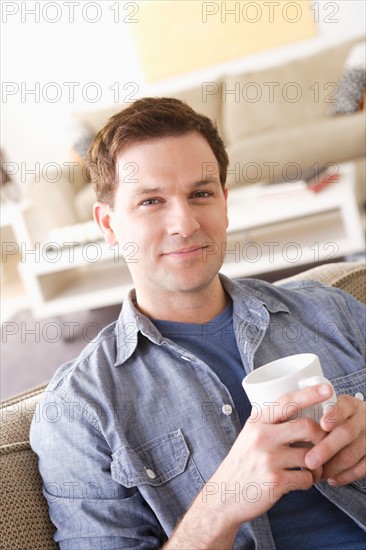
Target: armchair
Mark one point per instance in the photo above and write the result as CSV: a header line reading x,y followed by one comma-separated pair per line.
x,y
23,508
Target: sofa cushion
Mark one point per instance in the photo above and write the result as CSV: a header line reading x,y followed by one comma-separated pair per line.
x,y
84,201
95,120
353,82
300,145
300,90
24,511
204,100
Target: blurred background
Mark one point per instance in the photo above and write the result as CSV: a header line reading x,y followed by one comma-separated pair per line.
x,y
285,83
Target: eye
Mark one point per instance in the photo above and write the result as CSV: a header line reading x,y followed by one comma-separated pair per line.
x,y
201,195
149,202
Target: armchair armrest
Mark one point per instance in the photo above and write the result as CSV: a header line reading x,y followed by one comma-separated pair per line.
x,y
348,276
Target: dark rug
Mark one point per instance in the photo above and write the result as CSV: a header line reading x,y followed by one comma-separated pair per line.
x,y
31,351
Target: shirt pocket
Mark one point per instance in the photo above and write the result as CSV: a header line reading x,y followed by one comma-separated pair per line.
x,y
153,463
355,385
164,472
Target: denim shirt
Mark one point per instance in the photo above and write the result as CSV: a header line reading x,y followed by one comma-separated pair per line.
x,y
129,432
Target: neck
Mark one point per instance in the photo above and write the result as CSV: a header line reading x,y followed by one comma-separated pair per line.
x,y
199,306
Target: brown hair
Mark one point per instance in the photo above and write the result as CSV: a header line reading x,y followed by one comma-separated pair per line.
x,y
145,119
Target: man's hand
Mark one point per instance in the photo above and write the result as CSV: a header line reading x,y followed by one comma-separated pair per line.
x,y
261,466
264,455
342,453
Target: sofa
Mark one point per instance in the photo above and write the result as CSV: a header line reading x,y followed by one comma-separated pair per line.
x,y
279,124
23,508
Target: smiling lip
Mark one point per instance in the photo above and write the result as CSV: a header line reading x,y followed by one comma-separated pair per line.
x,y
185,251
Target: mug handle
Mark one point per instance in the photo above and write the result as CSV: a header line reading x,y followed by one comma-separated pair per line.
x,y
313,381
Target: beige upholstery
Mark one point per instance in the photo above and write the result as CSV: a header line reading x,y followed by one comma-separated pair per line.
x,y
276,122
350,277
23,512
23,508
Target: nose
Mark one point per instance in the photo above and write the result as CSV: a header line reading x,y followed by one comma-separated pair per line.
x,y
182,220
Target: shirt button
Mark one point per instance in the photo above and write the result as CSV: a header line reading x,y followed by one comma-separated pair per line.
x,y
227,409
150,474
359,396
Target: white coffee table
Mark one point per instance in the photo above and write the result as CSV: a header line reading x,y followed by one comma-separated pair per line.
x,y
264,235
269,233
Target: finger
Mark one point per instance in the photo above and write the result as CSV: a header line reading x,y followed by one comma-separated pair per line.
x,y
297,480
358,471
286,481
346,439
302,430
291,404
317,474
346,458
336,414
295,460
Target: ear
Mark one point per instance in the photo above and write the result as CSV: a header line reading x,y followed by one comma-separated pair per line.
x,y
226,194
103,216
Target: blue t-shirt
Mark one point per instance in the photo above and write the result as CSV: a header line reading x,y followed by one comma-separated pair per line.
x,y
322,524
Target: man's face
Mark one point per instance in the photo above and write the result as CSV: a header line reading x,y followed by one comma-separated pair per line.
x,y
169,215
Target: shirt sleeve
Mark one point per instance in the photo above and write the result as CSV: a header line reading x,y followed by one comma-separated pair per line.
x,y
89,509
355,313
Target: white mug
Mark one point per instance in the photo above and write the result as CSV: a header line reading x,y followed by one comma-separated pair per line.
x,y
266,384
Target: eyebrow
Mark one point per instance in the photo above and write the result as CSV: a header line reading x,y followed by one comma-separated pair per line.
x,y
192,187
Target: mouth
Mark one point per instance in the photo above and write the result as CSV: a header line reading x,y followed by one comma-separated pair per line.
x,y
186,251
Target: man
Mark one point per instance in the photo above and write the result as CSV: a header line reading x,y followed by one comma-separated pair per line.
x,y
147,438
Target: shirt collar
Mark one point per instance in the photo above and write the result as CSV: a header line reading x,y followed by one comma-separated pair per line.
x,y
131,322
249,293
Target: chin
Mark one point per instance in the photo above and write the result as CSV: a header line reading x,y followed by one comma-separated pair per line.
x,y
190,282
